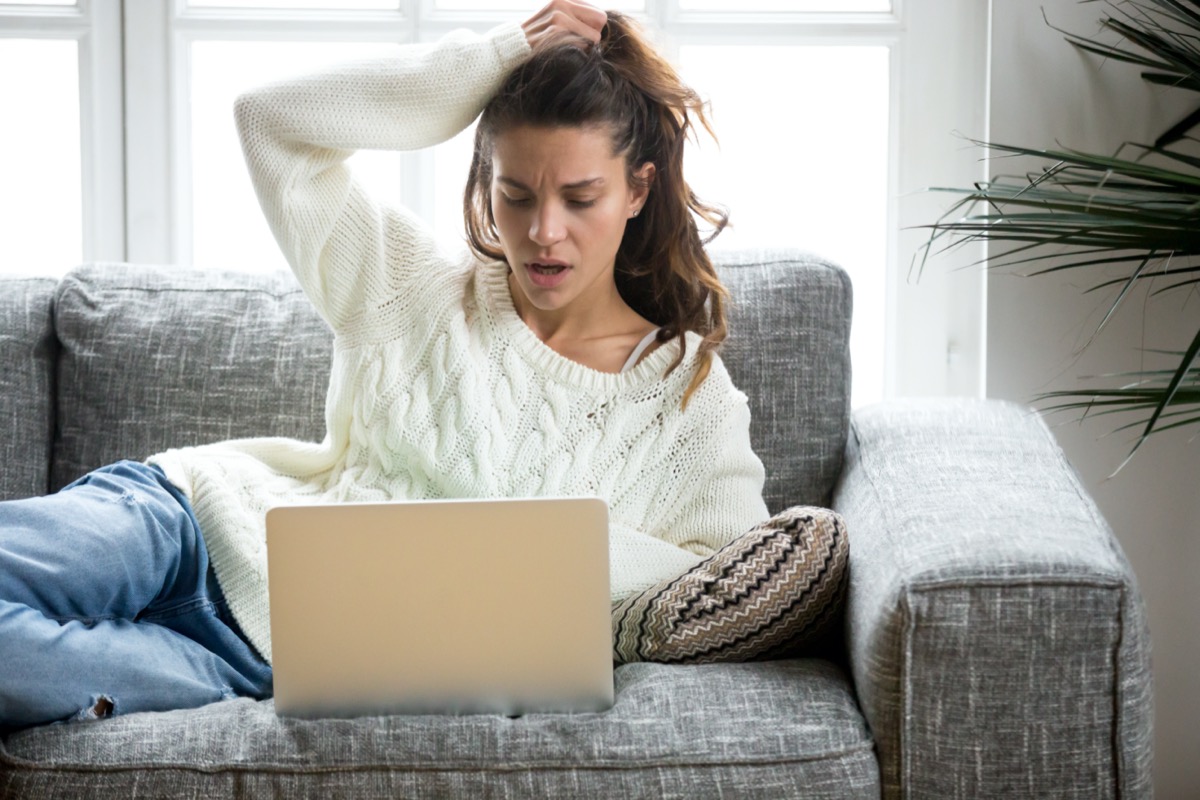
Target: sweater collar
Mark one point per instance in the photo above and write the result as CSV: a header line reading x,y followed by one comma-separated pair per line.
x,y
493,283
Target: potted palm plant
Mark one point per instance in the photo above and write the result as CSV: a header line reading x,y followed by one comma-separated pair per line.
x,y
1136,211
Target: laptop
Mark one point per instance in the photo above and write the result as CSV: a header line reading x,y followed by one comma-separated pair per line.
x,y
440,607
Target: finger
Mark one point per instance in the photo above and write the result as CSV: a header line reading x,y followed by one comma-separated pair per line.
x,y
539,21
564,19
589,15
579,28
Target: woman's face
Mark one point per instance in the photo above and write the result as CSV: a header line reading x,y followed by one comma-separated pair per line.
x,y
561,200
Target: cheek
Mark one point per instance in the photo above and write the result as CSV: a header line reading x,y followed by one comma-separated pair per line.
x,y
505,218
612,226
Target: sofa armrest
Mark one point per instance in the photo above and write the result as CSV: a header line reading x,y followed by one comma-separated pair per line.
x,y
997,636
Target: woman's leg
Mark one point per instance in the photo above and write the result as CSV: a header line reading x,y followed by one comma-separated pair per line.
x,y
107,605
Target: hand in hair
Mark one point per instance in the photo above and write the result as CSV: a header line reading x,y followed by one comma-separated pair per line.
x,y
564,18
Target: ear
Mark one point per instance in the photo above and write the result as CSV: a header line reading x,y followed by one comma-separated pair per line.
x,y
640,190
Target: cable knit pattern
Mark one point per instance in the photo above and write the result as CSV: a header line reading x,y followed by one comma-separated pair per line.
x,y
438,389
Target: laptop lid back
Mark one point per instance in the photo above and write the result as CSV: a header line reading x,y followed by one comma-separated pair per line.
x,y
463,606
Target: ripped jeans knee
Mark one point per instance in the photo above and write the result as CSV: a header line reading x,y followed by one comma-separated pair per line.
x,y
102,706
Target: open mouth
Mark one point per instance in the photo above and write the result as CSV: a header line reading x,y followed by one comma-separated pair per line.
x,y
547,274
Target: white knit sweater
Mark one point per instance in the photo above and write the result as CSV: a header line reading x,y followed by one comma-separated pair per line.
x,y
438,389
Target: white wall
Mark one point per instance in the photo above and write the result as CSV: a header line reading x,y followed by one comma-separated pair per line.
x,y
1044,92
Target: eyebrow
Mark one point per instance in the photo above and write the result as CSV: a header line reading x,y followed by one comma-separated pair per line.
x,y
584,184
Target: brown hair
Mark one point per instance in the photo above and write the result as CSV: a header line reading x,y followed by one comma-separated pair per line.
x,y
622,83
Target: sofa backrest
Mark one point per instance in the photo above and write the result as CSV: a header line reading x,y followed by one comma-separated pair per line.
x,y
157,357
28,350
789,351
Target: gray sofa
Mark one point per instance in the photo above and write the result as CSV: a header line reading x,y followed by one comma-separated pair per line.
x,y
994,641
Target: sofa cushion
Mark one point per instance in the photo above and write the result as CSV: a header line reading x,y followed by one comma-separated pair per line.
x,y
789,351
159,357
27,354
763,730
769,591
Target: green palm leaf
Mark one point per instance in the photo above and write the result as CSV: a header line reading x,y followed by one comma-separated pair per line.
x,y
1136,209
1165,35
1093,212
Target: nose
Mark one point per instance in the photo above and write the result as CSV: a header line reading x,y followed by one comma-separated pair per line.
x,y
548,226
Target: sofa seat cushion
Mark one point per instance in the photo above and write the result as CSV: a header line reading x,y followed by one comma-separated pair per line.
x,y
784,728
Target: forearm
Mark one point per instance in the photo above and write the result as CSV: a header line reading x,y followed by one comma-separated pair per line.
x,y
418,97
725,499
297,134
638,560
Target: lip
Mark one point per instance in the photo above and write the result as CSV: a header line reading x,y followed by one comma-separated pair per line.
x,y
546,281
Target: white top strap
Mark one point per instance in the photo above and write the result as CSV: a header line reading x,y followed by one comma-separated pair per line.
x,y
641,348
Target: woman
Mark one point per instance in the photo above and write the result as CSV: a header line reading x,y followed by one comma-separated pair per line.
x,y
571,353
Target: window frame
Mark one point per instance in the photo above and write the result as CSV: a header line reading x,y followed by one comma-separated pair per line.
x,y
95,27
134,96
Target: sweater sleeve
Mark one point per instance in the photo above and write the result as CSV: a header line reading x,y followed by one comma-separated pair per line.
x,y
726,503
345,249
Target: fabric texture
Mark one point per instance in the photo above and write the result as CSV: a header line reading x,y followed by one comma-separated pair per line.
x,y
778,729
990,610
154,357
126,618
438,388
28,352
789,348
770,591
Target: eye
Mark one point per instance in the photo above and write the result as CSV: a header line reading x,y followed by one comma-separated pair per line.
x,y
516,202
581,203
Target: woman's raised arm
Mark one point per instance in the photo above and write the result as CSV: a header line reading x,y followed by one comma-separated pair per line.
x,y
345,249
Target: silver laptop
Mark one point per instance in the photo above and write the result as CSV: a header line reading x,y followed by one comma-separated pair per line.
x,y
463,606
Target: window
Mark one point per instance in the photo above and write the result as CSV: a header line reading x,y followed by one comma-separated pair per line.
x,y
830,113
44,219
222,201
824,187
61,200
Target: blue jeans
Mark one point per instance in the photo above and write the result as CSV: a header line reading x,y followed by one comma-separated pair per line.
x,y
108,605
